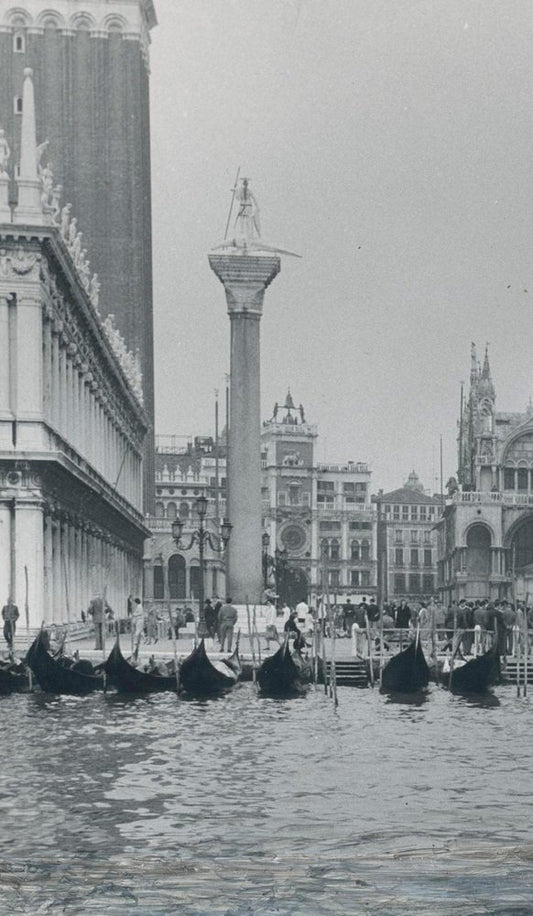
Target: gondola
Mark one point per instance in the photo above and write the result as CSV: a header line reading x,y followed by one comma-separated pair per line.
x,y
129,679
13,677
407,671
476,675
199,676
281,675
61,675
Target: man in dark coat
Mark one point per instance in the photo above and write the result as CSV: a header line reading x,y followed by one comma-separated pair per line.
x,y
10,615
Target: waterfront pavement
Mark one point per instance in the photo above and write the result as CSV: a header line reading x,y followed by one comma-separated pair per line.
x,y
163,649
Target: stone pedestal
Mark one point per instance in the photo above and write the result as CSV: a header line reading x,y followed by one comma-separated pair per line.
x,y
245,278
5,209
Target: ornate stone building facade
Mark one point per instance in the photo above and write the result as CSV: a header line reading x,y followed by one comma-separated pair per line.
x,y
407,542
72,424
320,514
486,534
91,73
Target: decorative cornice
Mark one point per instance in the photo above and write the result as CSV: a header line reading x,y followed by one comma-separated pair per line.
x,y
133,19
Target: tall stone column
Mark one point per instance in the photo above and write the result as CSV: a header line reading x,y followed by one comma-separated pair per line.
x,y
245,278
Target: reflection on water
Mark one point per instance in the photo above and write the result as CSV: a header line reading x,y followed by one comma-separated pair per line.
x,y
245,805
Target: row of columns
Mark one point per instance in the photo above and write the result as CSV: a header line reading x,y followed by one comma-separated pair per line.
x,y
76,406
80,563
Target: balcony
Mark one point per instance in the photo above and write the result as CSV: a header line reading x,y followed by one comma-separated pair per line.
x,y
505,498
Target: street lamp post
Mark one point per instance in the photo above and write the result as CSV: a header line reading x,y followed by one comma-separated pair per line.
x,y
202,536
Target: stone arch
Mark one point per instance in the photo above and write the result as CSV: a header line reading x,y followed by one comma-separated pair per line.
x,y
185,510
50,19
172,510
114,23
478,543
485,524
520,536
18,18
177,576
526,435
82,21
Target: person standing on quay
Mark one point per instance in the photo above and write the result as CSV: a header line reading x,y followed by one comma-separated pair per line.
x,y
96,611
271,633
10,615
227,618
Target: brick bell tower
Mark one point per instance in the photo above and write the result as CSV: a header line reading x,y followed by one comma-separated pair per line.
x,y
91,76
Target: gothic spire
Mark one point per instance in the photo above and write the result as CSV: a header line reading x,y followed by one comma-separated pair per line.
x,y
486,387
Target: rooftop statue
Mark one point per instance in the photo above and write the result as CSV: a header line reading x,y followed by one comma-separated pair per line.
x,y
247,225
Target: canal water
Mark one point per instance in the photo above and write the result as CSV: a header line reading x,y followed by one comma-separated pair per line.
x,y
253,807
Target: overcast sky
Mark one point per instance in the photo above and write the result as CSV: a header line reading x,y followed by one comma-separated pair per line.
x,y
390,143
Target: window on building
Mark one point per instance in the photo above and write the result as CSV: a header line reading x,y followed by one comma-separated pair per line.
x,y
365,550
508,479
306,498
399,584
324,548
294,496
427,585
387,510
334,550
414,585
281,499
159,582
431,511
329,526
159,510
360,487
398,536
176,576
17,105
427,537
334,577
414,513
354,577
414,557
398,556
18,43
414,536
184,510
326,485
522,479
355,551
428,558
365,578
172,510
348,488
396,513
422,513
405,512
194,573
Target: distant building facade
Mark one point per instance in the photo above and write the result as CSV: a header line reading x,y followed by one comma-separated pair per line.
x,y
407,542
72,424
320,514
486,534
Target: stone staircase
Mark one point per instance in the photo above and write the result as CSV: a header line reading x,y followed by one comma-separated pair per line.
x,y
350,673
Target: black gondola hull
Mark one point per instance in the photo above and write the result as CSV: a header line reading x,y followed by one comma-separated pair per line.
x,y
53,677
128,679
280,676
201,677
406,672
13,679
476,676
